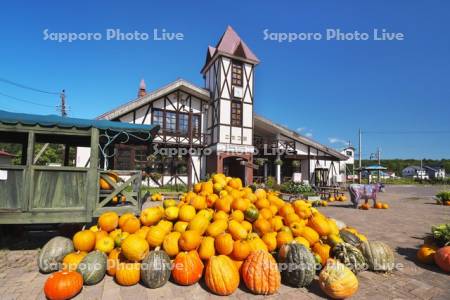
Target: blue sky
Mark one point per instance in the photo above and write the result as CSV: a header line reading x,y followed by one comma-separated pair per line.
x,y
326,88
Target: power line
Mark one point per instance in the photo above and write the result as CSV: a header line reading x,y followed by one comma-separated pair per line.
x,y
27,87
26,101
400,132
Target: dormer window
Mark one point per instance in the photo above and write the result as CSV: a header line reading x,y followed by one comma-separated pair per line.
x,y
236,74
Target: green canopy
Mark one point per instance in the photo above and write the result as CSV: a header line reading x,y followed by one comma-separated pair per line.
x,y
11,118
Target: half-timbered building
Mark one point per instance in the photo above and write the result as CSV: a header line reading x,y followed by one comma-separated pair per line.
x,y
213,128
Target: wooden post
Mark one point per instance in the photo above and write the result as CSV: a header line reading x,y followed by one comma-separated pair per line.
x,y
189,151
66,154
27,202
92,196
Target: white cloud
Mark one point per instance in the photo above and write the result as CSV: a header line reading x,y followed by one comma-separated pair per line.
x,y
300,129
308,134
334,140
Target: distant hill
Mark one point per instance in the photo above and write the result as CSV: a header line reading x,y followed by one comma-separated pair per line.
x,y
397,165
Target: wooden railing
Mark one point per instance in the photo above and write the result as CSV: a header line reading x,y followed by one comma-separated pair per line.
x,y
125,192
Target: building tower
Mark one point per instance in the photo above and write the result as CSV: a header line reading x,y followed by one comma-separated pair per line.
x,y
229,76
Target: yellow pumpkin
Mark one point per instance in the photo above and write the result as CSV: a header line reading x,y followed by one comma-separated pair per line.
x,y
114,258
180,226
297,228
156,235
247,225
220,215
170,244
134,247
151,216
199,223
237,215
270,239
301,240
206,249
276,222
71,260
217,227
334,229
165,225
237,231
105,244
142,232
310,234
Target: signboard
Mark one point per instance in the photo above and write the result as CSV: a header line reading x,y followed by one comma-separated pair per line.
x,y
249,165
3,175
297,177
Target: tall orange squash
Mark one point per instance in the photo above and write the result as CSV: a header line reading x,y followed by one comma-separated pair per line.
x,y
260,273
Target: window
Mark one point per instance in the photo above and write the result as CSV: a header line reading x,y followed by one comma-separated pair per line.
x,y
349,153
171,122
236,113
176,123
196,125
158,118
183,124
236,74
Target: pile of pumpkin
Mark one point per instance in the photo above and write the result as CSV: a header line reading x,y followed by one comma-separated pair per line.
x,y
220,231
436,248
377,205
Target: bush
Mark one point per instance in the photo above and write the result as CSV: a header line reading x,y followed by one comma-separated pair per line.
x,y
296,188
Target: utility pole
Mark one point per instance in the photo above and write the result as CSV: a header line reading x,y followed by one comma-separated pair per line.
x,y
359,147
63,103
379,156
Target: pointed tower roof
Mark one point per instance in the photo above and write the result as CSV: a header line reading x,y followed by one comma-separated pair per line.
x,y
142,85
231,44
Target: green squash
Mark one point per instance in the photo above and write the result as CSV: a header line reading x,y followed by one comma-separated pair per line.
x,y
251,214
297,264
350,256
350,238
93,267
155,269
378,255
52,254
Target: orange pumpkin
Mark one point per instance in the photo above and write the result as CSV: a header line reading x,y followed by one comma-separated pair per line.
x,y
84,240
224,244
63,285
123,218
323,250
262,226
156,235
442,258
131,225
241,249
108,221
221,276
319,224
190,240
128,273
426,254
104,185
187,268
113,261
378,205
100,234
284,237
260,273
223,204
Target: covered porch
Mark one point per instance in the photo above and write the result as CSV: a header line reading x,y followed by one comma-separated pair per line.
x,y
286,155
